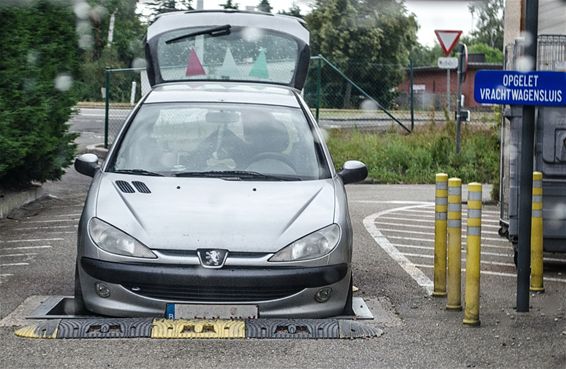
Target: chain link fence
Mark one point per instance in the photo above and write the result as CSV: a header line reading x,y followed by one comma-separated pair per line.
x,y
338,99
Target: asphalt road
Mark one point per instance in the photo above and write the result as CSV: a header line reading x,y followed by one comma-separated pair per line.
x,y
37,251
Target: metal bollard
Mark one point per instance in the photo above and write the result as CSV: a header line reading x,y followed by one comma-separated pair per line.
x,y
454,237
472,297
440,208
537,269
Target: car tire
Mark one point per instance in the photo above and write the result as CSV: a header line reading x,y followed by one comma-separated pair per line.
x,y
348,306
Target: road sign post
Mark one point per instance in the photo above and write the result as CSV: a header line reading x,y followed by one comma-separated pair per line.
x,y
447,39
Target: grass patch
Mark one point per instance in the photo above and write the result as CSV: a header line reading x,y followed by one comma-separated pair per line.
x,y
393,157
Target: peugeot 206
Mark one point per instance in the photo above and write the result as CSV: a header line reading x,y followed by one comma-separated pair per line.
x,y
219,188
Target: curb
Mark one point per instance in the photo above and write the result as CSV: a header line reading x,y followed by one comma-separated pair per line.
x,y
14,200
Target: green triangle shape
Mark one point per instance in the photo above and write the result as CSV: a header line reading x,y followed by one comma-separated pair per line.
x,y
259,69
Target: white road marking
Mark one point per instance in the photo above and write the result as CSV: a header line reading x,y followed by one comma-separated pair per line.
x,y
428,203
430,240
33,240
26,247
383,242
427,226
17,255
432,233
67,215
431,220
47,227
425,256
488,272
14,264
431,211
51,221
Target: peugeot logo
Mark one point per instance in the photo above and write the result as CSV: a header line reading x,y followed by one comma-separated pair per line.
x,y
212,258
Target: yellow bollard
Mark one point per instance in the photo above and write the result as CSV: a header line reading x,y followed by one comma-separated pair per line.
x,y
440,208
537,236
472,297
454,239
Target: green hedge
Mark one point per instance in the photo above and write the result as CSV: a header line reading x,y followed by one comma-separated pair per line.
x,y
39,44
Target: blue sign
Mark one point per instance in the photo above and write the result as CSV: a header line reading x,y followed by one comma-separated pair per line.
x,y
518,88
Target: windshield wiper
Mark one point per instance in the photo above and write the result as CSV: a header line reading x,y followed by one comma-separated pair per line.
x,y
213,32
241,175
141,172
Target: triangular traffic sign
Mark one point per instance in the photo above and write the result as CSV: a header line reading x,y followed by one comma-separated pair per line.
x,y
448,39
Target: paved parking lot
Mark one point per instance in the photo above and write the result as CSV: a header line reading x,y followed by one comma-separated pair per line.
x,y
407,234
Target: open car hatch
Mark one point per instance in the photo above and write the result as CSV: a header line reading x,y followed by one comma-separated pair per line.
x,y
227,46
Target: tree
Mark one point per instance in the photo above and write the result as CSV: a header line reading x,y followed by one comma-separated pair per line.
x,y
230,5
264,6
294,11
369,41
157,7
98,53
489,25
492,55
40,61
424,56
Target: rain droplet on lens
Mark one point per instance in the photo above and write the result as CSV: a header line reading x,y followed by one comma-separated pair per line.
x,y
63,82
86,42
524,64
81,9
139,63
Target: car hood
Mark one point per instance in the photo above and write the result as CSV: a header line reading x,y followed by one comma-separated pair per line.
x,y
190,213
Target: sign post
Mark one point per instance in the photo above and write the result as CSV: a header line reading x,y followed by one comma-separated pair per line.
x,y
447,39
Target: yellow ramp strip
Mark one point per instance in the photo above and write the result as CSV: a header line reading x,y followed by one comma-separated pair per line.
x,y
39,330
166,328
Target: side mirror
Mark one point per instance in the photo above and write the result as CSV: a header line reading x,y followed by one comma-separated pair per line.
x,y
353,171
86,164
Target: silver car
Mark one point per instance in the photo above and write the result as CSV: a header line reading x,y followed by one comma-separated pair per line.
x,y
218,191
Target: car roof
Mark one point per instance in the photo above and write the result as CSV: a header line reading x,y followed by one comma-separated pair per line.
x,y
229,92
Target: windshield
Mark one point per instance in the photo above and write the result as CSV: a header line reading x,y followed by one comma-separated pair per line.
x,y
243,141
227,53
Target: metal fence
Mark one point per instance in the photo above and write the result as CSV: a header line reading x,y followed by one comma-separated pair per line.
x,y
337,100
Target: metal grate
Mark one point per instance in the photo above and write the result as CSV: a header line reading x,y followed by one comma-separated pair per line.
x,y
551,52
205,293
125,187
141,187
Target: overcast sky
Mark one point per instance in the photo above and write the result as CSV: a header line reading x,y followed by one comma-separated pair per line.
x,y
431,14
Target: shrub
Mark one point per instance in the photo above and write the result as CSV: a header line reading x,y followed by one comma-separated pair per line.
x,y
392,157
38,45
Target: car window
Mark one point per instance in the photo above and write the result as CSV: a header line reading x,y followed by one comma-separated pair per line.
x,y
239,53
189,138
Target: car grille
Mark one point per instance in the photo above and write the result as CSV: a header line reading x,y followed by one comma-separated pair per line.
x,y
210,294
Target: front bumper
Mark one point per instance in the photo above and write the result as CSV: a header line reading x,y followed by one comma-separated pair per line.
x,y
142,289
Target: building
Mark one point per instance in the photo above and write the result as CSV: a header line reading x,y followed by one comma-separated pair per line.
x,y
430,85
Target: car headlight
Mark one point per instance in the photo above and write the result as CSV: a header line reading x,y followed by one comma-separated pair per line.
x,y
113,240
312,246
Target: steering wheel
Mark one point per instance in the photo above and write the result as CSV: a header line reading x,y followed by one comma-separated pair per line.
x,y
272,156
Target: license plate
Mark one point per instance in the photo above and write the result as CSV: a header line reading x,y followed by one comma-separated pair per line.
x,y
194,311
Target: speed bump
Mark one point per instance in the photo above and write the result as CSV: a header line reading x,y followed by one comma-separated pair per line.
x,y
291,328
47,329
195,329
166,328
105,328
352,329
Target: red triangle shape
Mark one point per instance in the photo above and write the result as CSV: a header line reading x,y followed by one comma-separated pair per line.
x,y
194,67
